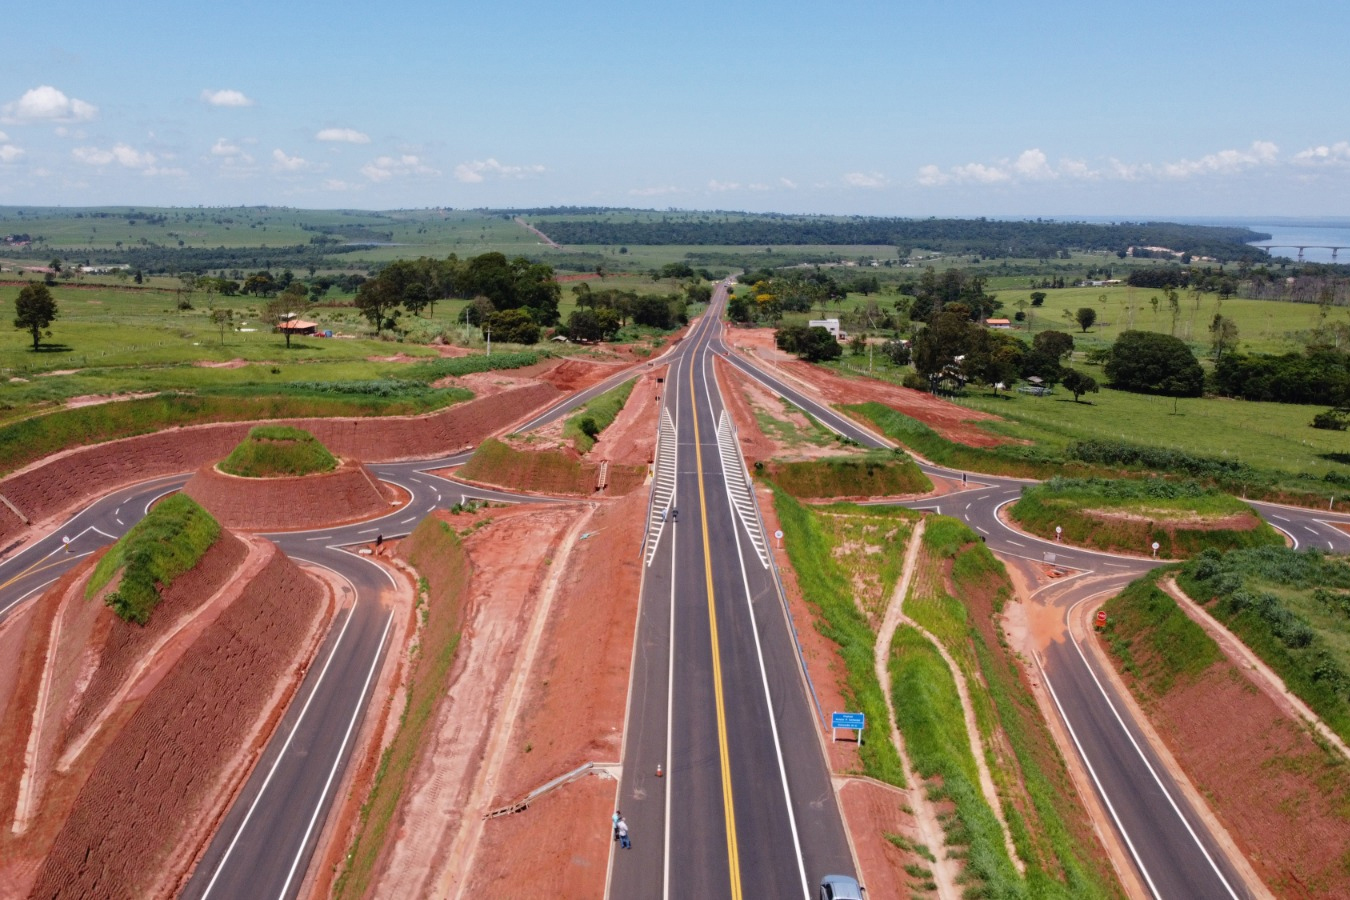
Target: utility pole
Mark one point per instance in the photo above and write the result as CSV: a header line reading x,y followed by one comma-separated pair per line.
x,y
488,332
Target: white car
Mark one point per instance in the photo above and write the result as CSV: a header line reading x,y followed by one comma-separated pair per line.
x,y
840,887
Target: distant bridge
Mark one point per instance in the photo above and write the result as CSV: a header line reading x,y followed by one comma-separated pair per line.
x,y
1301,247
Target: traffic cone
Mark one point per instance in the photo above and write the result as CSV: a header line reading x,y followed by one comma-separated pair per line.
x,y
659,772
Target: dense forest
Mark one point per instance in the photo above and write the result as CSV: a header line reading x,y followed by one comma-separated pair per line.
x,y
983,237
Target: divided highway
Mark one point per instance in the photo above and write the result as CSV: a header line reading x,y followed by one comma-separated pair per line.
x,y
742,804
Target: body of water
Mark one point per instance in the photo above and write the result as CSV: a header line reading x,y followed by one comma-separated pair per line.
x,y
1292,235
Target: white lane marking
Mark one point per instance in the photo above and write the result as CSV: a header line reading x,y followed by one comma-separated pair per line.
x,y
1137,749
1281,518
102,532
438,496
368,531
117,512
1287,533
337,760
1116,565
1310,529
416,479
670,717
978,528
276,763
968,507
120,522
19,600
1101,792
407,520
151,502
322,537
1018,543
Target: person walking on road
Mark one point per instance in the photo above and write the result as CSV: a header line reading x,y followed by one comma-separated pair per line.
x,y
614,823
622,828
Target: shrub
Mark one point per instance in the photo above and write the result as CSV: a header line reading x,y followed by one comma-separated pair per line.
x,y
272,451
915,381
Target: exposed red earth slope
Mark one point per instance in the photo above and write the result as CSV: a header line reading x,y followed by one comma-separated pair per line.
x,y
348,494
65,480
144,733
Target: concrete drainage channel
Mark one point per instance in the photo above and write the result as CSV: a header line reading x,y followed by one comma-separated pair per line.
x,y
611,769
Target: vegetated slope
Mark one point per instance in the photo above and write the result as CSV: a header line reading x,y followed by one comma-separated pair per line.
x,y
545,471
585,426
1283,797
272,451
1129,515
143,812
435,551
1292,608
878,474
1050,828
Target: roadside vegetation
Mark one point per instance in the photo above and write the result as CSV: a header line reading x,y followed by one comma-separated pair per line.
x,y
1129,515
169,541
877,473
1049,827
435,552
1156,642
585,426
828,547
275,451
1292,608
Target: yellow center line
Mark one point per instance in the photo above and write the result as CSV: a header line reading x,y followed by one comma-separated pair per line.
x,y
733,853
35,566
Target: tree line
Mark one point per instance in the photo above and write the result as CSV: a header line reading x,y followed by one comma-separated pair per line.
x,y
985,237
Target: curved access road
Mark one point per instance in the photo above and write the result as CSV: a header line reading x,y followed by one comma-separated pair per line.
x,y
267,839
1173,851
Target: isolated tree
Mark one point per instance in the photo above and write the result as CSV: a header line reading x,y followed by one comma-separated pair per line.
x,y
1085,316
378,302
261,284
1079,383
223,319
1223,335
1037,298
948,336
35,309
1147,362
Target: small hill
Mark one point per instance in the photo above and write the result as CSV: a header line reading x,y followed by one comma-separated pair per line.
x,y
278,451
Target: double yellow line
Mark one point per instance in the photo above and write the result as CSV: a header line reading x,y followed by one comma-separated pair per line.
x,y
733,851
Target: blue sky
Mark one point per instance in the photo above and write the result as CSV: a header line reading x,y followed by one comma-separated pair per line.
x,y
900,108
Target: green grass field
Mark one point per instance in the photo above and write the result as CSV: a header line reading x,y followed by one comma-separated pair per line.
x,y
272,451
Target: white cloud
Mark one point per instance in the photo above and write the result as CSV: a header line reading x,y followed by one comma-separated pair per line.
x,y
337,184
383,168
719,186
223,147
343,135
654,191
788,183
480,170
9,153
866,180
47,104
283,163
3,137
1225,162
225,97
1033,165
1337,154
126,156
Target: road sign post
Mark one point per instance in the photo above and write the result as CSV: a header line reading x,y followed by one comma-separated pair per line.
x,y
1101,619
854,721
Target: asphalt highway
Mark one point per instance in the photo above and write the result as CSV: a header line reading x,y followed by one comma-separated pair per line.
x,y
743,806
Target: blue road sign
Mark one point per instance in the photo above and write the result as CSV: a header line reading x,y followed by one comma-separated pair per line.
x,y
847,720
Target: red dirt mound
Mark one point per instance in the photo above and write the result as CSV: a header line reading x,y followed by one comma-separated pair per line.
x,y
577,374
348,494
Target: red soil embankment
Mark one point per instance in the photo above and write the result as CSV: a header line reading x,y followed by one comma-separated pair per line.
x,y
151,800
554,471
955,423
348,494
59,483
